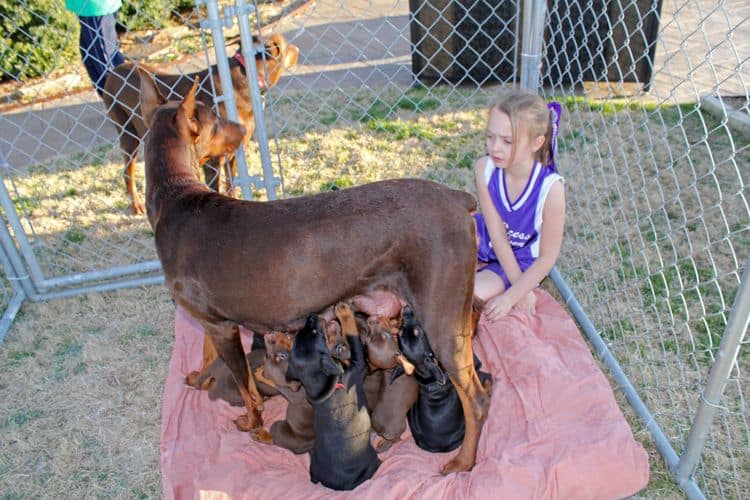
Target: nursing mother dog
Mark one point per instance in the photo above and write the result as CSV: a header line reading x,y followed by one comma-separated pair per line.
x,y
283,260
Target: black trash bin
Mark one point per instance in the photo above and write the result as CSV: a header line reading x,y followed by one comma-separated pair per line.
x,y
475,41
600,41
463,41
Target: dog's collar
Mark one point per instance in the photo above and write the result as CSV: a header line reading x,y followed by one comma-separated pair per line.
x,y
261,82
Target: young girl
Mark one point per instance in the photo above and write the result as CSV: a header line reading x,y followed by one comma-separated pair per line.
x,y
521,195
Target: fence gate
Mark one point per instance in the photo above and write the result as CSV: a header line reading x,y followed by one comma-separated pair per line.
x,y
654,147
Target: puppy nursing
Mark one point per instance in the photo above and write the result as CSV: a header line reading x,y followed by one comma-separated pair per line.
x,y
436,420
341,457
394,397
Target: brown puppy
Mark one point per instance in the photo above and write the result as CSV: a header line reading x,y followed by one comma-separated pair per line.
x,y
121,97
295,432
219,381
395,398
283,259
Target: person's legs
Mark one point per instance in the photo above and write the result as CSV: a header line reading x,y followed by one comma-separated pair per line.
x,y
100,50
487,284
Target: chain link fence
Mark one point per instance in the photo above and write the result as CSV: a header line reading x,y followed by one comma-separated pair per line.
x,y
654,146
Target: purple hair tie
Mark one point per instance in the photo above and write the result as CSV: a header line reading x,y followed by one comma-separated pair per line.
x,y
555,111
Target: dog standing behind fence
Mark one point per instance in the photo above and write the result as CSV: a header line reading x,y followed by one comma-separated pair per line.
x,y
121,98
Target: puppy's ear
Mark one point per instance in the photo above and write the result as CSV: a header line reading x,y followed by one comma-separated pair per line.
x,y
270,340
291,56
186,111
434,369
396,373
330,367
333,331
294,385
150,97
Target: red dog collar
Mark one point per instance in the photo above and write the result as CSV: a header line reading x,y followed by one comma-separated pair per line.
x,y
240,59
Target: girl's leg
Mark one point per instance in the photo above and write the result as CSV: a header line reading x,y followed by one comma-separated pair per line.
x,y
487,284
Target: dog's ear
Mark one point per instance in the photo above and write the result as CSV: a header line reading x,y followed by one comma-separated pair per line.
x,y
434,369
186,111
404,364
150,96
291,56
325,393
330,367
270,340
396,373
333,331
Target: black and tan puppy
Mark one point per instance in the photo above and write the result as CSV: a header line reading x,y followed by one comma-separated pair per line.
x,y
342,457
436,420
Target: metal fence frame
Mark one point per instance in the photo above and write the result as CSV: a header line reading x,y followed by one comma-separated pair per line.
x,y
28,281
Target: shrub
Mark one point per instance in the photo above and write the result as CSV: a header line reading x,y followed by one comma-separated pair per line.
x,y
138,15
36,36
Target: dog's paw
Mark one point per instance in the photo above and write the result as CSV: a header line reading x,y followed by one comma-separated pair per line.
x,y
261,436
248,423
455,465
192,379
343,311
137,207
382,444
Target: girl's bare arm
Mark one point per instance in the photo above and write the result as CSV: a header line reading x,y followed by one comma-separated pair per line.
x,y
553,216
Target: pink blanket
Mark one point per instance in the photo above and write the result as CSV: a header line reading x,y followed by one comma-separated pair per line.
x,y
554,429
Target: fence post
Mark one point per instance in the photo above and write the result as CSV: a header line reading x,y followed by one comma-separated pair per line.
x,y
261,134
214,22
534,12
739,318
15,303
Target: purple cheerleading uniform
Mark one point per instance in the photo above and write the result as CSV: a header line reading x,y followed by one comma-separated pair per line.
x,y
522,218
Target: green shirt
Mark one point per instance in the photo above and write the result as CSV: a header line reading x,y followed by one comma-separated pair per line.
x,y
93,7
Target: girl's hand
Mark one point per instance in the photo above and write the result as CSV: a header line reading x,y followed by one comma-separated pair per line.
x,y
500,305
497,307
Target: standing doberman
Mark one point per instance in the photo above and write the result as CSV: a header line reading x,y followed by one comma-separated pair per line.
x,y
282,260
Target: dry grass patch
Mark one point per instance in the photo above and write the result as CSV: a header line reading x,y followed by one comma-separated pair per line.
x,y
81,396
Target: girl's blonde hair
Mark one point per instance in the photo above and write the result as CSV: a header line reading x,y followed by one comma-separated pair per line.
x,y
519,105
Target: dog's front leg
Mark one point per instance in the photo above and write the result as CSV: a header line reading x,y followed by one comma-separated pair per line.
x,y
195,379
230,173
475,402
226,339
136,202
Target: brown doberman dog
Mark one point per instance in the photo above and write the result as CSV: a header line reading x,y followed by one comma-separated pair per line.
x,y
121,97
283,259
